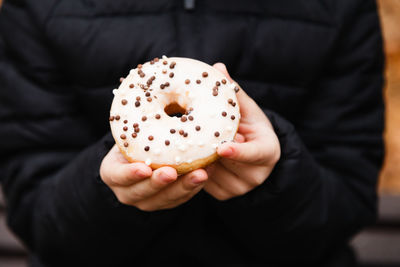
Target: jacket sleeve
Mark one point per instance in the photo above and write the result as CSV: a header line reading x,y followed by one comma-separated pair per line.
x,y
50,160
323,189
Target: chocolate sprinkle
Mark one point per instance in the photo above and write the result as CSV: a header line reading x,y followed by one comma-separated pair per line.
x,y
216,134
183,119
187,81
134,135
162,86
232,117
142,74
144,118
138,98
198,81
158,116
190,117
117,117
217,83
111,118
156,59
139,66
135,125
126,144
125,128
185,134
165,62
224,113
125,121
172,131
137,129
147,94
181,132
146,148
167,83
167,142
137,103
131,85
230,101
124,101
150,137
236,89
198,128
172,65
223,81
164,71
215,93
205,74
149,99
121,79
171,75
123,136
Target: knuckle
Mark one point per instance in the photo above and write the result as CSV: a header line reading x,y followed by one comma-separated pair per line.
x,y
257,179
137,195
146,207
124,199
221,196
113,179
241,190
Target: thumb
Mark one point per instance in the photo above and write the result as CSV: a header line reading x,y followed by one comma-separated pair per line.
x,y
247,152
222,68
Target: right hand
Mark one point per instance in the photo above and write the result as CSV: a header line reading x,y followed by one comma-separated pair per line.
x,y
135,184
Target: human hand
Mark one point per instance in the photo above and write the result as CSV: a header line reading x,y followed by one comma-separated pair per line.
x,y
135,184
247,162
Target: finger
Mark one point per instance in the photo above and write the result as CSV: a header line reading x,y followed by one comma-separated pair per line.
x,y
253,176
253,152
222,68
215,190
176,193
184,186
115,173
128,174
160,179
229,181
239,138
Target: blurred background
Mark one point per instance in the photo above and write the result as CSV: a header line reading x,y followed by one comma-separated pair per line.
x,y
377,246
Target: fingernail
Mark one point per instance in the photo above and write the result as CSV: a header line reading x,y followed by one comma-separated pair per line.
x,y
166,177
197,181
227,151
141,173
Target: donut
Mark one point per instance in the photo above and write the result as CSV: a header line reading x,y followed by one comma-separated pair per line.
x,y
174,112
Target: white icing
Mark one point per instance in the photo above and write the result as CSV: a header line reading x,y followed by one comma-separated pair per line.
x,y
206,112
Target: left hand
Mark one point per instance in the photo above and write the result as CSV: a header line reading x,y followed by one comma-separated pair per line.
x,y
247,162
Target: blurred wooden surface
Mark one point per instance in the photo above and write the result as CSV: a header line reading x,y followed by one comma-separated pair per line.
x,y
390,19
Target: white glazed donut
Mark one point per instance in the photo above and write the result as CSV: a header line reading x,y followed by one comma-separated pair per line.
x,y
145,114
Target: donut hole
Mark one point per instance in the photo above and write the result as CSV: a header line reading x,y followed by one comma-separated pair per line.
x,y
175,110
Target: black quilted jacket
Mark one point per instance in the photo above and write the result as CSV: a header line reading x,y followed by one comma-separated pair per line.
x,y
315,68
